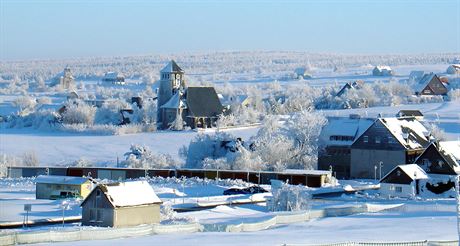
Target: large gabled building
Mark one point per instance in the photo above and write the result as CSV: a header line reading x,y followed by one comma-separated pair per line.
x,y
387,143
198,107
441,158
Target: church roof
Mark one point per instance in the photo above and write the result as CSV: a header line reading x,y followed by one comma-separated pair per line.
x,y
172,67
175,102
203,102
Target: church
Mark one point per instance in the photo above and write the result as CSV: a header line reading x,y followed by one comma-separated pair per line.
x,y
197,107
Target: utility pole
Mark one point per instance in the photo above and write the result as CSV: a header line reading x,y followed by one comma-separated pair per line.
x,y
375,172
381,165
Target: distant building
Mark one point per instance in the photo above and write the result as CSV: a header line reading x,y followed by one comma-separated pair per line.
x,y
56,187
387,143
355,85
402,181
431,85
302,73
453,69
335,143
64,79
199,107
114,78
410,113
121,205
382,71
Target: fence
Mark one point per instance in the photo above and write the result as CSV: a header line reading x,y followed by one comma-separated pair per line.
x,y
95,233
415,243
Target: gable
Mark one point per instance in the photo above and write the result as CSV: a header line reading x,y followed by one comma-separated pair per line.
x,y
377,136
397,176
432,161
203,102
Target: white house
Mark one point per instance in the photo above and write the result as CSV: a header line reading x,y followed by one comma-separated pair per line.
x,y
114,78
403,181
382,71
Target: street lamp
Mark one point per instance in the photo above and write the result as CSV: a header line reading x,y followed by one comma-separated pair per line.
x,y
375,172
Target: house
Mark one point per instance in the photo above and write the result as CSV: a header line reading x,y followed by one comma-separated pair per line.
x,y
302,73
453,69
441,158
431,85
234,102
416,75
402,181
355,85
335,143
382,71
55,187
114,78
410,113
198,107
387,143
121,205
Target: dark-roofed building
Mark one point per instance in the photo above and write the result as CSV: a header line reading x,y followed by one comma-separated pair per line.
x,y
431,85
197,106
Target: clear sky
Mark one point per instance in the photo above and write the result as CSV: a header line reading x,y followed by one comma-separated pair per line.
x,y
32,29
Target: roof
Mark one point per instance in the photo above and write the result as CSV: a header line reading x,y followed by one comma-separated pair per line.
x,y
416,75
52,179
409,112
127,194
381,68
203,102
172,67
408,131
344,126
451,152
425,80
175,102
111,75
307,172
414,171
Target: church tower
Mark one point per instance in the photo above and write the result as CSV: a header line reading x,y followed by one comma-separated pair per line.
x,y
171,82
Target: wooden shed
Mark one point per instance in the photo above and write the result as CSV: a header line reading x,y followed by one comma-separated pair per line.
x,y
56,187
121,205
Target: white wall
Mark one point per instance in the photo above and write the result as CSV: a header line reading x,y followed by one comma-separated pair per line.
x,y
390,190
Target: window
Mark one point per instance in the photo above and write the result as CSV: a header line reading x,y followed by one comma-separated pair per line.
x,y
92,215
378,140
398,189
98,193
100,215
366,139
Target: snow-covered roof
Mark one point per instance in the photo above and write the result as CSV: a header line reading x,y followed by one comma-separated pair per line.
x,y
308,172
52,179
452,150
172,67
414,171
408,131
344,126
381,68
112,75
416,75
127,194
175,101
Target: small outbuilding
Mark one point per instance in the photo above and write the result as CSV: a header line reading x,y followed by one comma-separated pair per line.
x,y
56,187
402,181
410,113
382,71
121,205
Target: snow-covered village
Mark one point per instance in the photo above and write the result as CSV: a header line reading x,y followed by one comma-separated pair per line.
x,y
293,123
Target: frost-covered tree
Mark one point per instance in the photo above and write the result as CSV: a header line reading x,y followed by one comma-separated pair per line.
x,y
79,113
25,103
142,157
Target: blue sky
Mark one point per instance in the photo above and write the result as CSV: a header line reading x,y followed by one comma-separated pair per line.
x,y
68,29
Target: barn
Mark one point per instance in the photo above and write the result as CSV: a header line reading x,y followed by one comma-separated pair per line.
x,y
55,187
121,205
402,181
